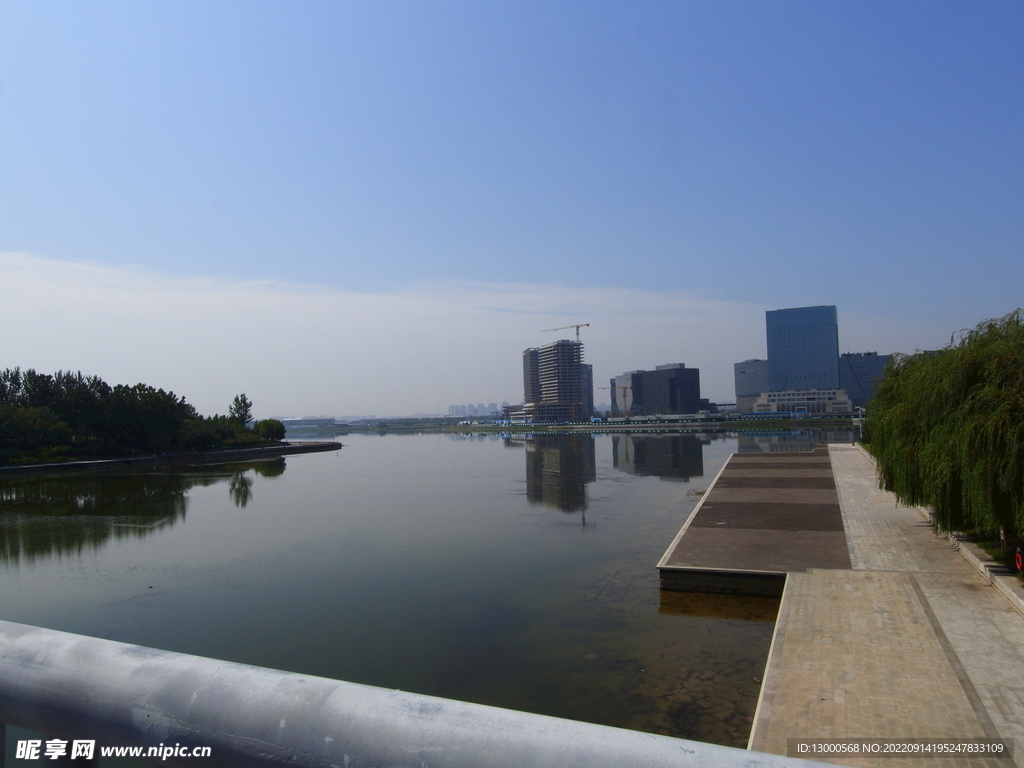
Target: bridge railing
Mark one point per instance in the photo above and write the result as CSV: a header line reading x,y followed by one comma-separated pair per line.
x,y
74,687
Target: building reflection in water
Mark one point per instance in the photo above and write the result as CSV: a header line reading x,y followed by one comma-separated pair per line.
x,y
670,457
49,515
802,440
558,468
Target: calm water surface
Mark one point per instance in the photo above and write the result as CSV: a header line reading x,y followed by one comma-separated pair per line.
x,y
517,572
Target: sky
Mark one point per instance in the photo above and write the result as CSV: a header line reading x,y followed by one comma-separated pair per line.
x,y
354,208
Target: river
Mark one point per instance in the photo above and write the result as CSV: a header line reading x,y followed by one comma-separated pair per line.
x,y
514,571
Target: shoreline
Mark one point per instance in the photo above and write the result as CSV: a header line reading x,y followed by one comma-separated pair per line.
x,y
222,456
746,425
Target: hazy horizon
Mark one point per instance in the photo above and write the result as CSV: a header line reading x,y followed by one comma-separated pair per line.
x,y
291,348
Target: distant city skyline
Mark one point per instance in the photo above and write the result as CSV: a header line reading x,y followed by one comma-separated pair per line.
x,y
82,316
476,409
337,207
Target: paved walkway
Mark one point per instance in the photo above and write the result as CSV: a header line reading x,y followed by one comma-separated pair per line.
x,y
910,643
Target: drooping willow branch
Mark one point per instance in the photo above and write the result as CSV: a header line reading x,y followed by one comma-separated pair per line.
x,y
947,428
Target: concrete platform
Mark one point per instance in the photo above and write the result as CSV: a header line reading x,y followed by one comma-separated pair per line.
x,y
760,515
763,515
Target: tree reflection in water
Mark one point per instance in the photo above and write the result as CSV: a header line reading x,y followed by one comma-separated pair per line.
x,y
61,515
240,488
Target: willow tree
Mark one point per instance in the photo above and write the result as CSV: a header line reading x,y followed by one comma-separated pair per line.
x,y
947,428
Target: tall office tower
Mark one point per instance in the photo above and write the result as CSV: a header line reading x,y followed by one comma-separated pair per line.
x,y
751,377
803,348
553,382
587,383
859,372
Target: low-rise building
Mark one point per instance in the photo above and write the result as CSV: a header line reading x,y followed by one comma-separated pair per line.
x,y
805,401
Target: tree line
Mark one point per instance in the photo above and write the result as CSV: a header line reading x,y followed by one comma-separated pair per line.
x,y
947,429
70,415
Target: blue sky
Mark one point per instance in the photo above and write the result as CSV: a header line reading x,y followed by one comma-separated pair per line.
x,y
603,158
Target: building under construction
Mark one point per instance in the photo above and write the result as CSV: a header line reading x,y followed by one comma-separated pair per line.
x,y
553,383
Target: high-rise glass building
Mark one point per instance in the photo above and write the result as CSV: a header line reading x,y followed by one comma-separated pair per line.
x,y
803,348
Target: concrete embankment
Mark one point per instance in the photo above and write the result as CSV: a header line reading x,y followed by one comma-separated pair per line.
x,y
170,459
901,639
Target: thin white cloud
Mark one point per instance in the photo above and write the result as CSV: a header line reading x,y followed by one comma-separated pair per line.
x,y
298,349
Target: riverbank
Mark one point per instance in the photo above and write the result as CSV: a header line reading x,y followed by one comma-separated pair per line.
x,y
170,459
910,642
884,630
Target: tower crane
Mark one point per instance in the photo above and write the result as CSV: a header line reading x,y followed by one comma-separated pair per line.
x,y
621,406
577,326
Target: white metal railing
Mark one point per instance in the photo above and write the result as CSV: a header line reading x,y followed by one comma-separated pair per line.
x,y
70,686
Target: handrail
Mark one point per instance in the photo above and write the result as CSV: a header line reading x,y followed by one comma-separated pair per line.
x,y
72,686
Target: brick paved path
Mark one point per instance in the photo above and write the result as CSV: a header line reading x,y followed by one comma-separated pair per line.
x,y
911,643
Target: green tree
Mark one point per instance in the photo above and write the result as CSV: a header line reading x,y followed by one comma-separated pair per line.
x,y
202,434
947,428
141,418
241,409
28,429
270,429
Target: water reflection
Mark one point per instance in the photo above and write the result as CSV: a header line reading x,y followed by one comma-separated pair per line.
x,y
670,457
795,440
66,514
240,488
558,468
478,437
718,606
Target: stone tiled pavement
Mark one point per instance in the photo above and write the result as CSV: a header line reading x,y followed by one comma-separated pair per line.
x,y
911,643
